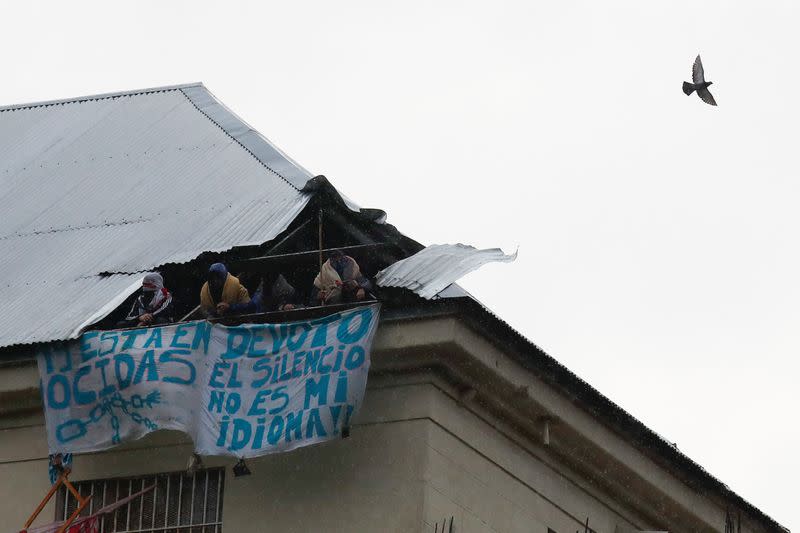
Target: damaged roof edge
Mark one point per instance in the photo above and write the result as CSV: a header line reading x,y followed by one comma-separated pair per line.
x,y
434,268
312,187
107,308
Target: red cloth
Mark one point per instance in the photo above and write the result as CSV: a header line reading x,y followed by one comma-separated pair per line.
x,y
90,525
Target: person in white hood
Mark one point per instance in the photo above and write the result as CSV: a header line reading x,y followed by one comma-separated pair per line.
x,y
153,306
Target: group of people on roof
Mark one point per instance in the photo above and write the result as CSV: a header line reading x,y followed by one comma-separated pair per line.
x,y
339,281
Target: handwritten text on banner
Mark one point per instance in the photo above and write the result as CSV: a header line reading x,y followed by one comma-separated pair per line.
x,y
244,391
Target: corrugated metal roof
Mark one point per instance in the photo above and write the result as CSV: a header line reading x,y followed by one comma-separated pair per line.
x,y
434,268
123,183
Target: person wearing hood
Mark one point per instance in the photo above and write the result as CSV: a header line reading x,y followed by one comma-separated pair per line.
x,y
340,280
275,293
222,294
153,306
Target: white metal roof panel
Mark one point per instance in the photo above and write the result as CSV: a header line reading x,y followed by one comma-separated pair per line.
x,y
121,184
434,268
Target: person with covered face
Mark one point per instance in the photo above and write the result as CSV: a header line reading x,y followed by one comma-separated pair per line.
x,y
223,294
153,306
274,293
277,294
340,280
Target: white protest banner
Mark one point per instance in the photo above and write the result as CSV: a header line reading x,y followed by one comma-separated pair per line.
x,y
244,391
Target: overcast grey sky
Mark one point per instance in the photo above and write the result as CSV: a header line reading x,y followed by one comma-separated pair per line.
x,y
657,256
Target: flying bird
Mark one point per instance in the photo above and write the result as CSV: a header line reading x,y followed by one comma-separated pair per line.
x,y
699,83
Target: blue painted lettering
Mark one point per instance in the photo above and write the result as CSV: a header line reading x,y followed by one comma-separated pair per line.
x,y
233,403
312,361
255,408
236,335
262,365
321,334
233,382
252,351
223,430
168,357
120,359
130,337
106,336
108,388
341,388
86,352
58,381
296,339
315,424
344,334
202,334
215,401
294,422
216,372
241,434
275,430
323,368
355,358
279,333
318,389
147,364
82,397
154,339
180,331
280,393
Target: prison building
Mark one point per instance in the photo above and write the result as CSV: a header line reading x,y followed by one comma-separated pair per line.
x,y
466,425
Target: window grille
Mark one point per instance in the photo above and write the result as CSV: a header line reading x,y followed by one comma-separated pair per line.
x,y
179,503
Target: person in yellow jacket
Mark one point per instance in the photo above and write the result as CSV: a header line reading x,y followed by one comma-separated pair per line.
x,y
222,294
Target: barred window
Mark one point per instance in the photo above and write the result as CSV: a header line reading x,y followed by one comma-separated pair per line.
x,y
179,503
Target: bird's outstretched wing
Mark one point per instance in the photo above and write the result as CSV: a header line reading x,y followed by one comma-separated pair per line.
x,y
698,76
705,95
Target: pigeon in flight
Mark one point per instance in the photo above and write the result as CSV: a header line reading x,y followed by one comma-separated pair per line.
x,y
699,83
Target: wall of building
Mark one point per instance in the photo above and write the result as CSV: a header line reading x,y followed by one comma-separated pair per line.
x,y
421,451
489,483
414,458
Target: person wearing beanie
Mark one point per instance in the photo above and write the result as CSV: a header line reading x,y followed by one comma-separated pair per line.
x,y
153,306
222,293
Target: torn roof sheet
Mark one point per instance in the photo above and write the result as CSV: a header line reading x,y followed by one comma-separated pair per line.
x,y
123,183
435,267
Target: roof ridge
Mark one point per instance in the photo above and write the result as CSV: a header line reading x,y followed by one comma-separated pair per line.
x,y
234,137
247,137
101,96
